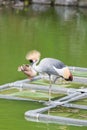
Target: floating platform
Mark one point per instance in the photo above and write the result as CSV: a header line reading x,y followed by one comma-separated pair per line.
x,y
16,91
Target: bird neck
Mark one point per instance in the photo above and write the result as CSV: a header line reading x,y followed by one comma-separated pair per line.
x,y
32,71
35,66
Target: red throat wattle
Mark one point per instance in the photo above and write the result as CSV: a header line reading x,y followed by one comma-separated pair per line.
x,y
70,77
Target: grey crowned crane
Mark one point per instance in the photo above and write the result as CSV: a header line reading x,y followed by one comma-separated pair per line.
x,y
49,66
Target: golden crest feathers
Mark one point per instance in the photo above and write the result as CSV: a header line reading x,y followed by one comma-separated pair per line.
x,y
33,55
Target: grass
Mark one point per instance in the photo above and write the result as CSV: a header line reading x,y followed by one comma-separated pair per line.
x,y
69,112
81,101
76,85
31,94
40,95
80,74
9,91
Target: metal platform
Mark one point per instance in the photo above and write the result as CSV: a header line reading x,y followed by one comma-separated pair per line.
x,y
72,95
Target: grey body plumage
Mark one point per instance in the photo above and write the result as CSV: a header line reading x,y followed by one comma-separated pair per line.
x,y
46,66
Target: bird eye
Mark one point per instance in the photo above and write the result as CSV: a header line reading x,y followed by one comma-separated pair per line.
x,y
31,61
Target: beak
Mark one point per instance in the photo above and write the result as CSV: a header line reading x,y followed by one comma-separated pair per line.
x,y
70,78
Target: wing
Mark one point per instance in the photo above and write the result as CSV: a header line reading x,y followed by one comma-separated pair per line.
x,y
46,65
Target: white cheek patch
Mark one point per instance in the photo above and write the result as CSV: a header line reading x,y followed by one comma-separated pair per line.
x,y
64,72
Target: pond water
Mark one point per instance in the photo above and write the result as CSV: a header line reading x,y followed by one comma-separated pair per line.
x,y
58,32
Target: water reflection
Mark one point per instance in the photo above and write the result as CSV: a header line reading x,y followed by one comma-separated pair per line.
x,y
83,11
66,13
35,7
40,8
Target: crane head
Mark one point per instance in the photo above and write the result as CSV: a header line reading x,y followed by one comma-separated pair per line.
x,y
70,78
33,56
67,74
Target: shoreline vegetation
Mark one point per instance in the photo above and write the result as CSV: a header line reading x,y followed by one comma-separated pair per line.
x,y
19,3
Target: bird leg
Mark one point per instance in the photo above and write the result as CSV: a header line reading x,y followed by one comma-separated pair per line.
x,y
50,88
55,79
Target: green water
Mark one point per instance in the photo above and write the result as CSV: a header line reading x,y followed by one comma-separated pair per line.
x,y
56,32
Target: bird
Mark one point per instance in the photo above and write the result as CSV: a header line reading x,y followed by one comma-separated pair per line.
x,y
49,66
